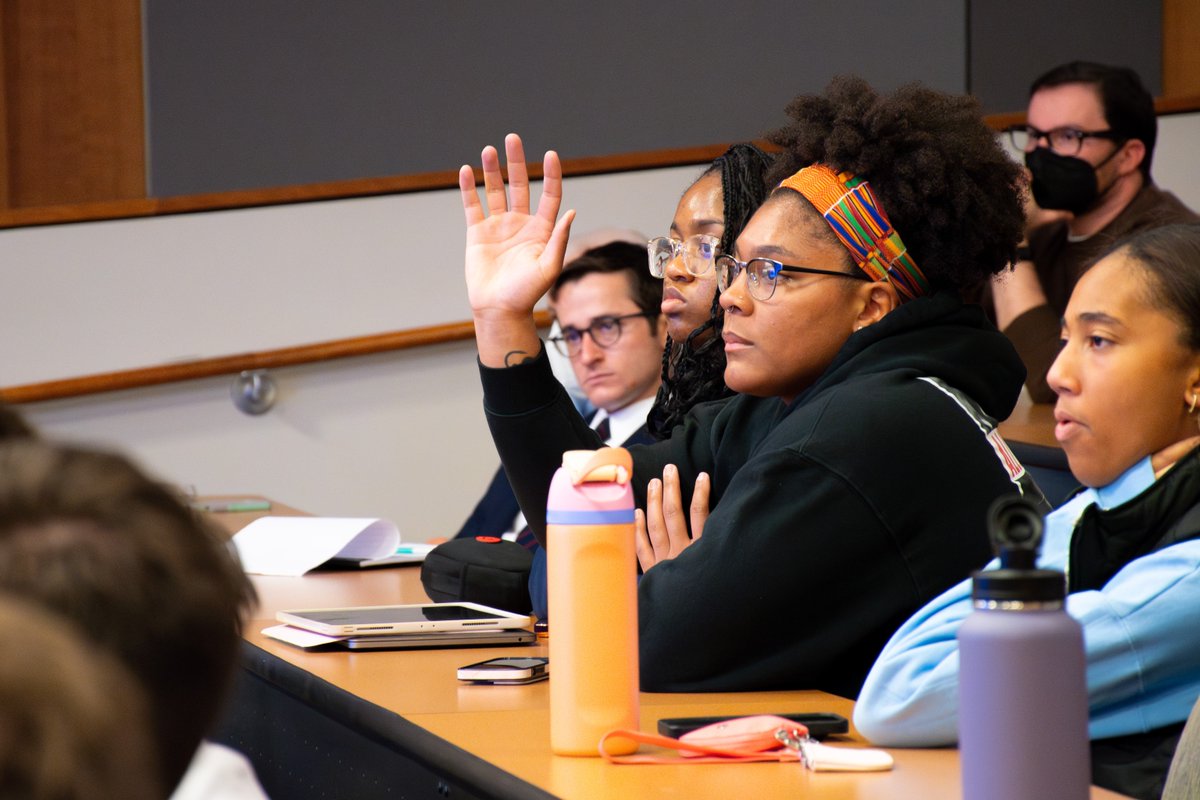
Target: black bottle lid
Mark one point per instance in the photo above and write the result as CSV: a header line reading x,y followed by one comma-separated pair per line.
x,y
1015,528
1024,585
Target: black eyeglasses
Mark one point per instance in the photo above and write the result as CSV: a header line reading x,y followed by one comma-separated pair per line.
x,y
1064,141
762,274
605,331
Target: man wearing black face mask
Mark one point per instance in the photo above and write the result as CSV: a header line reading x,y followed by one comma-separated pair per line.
x,y
1088,142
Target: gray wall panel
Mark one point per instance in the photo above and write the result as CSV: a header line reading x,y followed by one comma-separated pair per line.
x,y
1014,41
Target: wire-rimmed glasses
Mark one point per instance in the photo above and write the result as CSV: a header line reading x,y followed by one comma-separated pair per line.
x,y
698,251
762,274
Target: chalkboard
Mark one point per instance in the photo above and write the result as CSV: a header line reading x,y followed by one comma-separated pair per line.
x,y
255,93
1014,41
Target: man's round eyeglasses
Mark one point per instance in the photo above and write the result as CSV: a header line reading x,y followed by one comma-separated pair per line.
x,y
1064,141
698,252
605,331
762,274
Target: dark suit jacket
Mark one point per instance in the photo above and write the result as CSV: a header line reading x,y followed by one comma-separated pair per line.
x,y
494,513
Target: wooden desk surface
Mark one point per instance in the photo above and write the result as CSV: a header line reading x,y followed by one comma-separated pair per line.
x,y
508,726
1031,423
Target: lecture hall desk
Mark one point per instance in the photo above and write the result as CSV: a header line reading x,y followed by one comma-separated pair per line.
x,y
1031,423
398,723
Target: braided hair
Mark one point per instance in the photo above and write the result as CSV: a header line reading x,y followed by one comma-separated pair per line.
x,y
693,371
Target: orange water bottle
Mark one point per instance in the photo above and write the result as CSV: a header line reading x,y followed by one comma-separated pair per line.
x,y
592,595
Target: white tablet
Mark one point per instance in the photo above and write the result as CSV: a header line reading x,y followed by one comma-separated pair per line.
x,y
368,620
439,639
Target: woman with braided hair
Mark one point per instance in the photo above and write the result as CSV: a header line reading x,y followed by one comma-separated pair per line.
x,y
710,215
786,532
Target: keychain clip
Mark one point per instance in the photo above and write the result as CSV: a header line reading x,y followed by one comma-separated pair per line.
x,y
823,758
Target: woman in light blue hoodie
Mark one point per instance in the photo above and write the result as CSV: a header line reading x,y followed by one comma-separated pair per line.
x,y
1128,385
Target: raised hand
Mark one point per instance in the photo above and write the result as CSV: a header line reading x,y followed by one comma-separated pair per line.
x,y
512,256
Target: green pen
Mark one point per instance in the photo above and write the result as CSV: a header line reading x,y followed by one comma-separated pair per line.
x,y
232,505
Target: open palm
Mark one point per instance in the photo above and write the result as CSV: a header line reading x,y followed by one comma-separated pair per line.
x,y
512,256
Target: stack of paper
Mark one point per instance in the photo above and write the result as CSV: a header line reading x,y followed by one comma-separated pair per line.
x,y
295,545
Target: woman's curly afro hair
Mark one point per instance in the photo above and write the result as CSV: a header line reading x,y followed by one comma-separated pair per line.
x,y
941,176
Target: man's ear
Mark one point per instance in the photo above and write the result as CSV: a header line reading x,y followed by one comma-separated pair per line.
x,y
1133,156
879,298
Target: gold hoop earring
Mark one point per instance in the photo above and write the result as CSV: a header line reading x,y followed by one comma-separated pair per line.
x,y
1192,408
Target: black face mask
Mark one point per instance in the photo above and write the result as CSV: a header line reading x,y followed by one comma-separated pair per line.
x,y
1063,182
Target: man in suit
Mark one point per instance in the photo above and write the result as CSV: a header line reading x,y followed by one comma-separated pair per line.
x,y
607,306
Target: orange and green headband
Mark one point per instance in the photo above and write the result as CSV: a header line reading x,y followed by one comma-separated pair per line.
x,y
852,210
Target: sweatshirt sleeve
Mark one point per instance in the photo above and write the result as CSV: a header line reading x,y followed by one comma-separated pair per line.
x,y
1142,648
533,421
1035,336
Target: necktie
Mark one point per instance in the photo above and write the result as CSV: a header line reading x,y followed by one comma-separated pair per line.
x,y
604,429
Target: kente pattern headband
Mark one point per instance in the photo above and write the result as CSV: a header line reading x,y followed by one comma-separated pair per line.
x,y
852,210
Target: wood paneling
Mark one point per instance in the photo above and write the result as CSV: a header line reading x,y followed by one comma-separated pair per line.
x,y
1181,48
72,102
4,154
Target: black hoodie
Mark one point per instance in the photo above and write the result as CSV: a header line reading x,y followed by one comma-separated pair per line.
x,y
833,517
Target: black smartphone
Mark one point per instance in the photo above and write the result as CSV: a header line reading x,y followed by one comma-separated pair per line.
x,y
819,725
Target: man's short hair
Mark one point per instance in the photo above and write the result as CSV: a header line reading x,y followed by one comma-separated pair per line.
x,y
88,535
73,722
1128,107
644,289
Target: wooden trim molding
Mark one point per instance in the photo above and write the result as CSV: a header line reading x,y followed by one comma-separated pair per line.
x,y
335,190
231,365
1164,106
1180,104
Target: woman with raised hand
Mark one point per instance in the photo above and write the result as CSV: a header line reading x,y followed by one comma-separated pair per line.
x,y
708,220
848,482
1128,385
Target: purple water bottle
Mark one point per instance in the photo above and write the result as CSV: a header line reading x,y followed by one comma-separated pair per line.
x,y
1023,710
